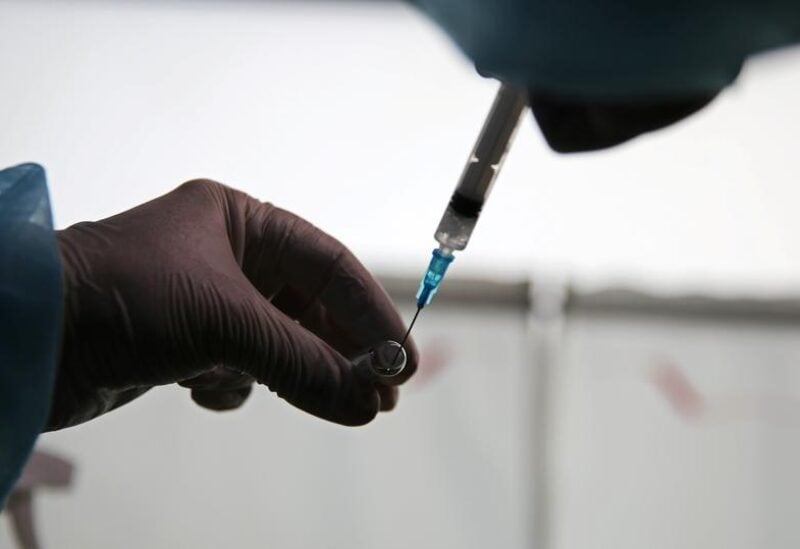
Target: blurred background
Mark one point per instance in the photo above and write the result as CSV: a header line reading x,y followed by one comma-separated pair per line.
x,y
613,364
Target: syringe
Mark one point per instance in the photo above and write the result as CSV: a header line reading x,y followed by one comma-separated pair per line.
x,y
483,165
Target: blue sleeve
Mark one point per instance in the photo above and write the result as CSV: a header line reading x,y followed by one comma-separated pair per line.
x,y
30,315
613,48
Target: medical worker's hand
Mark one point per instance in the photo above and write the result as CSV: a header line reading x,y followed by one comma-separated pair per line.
x,y
602,72
212,289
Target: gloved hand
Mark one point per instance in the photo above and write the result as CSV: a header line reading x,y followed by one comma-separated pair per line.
x,y
212,289
600,73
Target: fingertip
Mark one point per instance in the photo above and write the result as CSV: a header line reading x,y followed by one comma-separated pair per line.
x,y
221,401
412,358
305,371
388,396
363,412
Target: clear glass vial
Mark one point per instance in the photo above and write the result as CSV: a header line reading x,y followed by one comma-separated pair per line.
x,y
387,359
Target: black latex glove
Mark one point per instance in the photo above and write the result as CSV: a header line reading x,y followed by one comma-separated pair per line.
x,y
578,125
213,289
602,72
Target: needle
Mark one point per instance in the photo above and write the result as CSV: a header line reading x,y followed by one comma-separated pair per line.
x,y
397,354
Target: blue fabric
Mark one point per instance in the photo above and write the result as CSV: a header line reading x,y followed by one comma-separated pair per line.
x,y
30,315
616,48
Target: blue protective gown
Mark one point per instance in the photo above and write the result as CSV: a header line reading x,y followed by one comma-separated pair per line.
x,y
30,315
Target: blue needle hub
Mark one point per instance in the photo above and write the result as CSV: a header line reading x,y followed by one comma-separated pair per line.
x,y
433,277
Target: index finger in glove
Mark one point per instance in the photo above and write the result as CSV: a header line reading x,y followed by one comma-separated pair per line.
x,y
318,279
244,331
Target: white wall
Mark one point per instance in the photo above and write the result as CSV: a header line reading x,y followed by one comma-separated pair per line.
x,y
704,456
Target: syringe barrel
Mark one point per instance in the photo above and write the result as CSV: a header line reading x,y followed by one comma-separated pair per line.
x,y
482,167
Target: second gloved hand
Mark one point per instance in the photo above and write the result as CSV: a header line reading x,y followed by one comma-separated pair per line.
x,y
213,289
602,72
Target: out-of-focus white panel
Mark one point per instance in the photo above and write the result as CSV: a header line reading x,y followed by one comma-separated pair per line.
x,y
673,432
446,469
